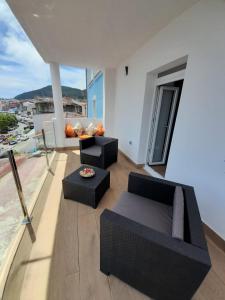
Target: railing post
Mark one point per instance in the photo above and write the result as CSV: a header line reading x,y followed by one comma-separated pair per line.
x,y
46,152
45,147
27,219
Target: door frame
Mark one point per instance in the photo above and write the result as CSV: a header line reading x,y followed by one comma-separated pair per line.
x,y
180,75
155,120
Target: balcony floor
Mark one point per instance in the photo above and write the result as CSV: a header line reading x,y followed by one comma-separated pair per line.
x,y
64,261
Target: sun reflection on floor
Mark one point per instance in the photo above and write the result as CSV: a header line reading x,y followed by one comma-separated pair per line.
x,y
77,152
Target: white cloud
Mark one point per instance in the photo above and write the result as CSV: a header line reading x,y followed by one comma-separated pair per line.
x,y
7,81
21,67
7,17
73,77
5,68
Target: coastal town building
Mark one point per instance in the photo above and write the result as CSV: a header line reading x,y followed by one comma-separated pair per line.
x,y
95,93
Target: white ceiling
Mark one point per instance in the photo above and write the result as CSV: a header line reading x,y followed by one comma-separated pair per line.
x,y
97,33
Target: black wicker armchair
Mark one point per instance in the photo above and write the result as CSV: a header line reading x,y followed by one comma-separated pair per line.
x,y
98,151
138,246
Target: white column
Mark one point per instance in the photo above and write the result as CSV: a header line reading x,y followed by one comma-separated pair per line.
x,y
58,105
109,86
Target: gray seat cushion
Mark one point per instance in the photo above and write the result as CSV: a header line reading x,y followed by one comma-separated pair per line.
x,y
94,150
178,214
147,212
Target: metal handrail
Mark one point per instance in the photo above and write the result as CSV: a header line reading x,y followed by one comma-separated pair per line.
x,y
27,218
45,147
42,135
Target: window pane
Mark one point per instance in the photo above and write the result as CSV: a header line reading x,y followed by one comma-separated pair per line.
x,y
162,128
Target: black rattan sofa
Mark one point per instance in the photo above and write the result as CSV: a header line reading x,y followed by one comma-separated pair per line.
x,y
151,260
99,151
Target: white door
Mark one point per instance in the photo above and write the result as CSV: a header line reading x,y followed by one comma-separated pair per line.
x,y
162,121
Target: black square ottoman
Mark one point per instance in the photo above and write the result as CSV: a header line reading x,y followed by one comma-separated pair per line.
x,y
86,190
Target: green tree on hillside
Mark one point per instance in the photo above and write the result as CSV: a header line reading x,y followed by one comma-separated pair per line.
x,y
6,121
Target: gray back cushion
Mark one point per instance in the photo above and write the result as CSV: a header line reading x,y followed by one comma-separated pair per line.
x,y
94,150
178,214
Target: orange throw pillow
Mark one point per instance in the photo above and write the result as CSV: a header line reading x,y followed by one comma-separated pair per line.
x,y
69,131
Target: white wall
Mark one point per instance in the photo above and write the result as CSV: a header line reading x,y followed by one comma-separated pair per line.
x,y
39,120
197,155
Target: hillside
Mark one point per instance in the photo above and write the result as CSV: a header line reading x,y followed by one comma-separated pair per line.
x,y
47,92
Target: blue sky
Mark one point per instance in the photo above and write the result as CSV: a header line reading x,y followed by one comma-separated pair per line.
x,y
21,67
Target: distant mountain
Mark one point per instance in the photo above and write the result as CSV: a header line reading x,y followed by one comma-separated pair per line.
x,y
47,92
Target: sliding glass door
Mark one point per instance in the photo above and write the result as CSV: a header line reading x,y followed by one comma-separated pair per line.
x,y
163,115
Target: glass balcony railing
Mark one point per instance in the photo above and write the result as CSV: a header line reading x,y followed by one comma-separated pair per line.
x,y
33,155
33,161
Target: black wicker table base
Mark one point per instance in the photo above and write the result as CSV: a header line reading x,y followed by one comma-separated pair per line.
x,y
88,191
